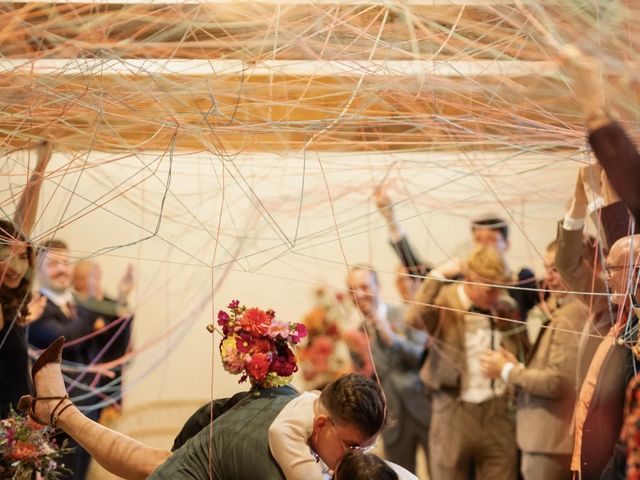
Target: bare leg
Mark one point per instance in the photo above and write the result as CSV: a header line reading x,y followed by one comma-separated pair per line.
x,y
121,455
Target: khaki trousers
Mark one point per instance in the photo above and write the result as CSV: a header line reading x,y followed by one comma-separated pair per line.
x,y
465,433
543,466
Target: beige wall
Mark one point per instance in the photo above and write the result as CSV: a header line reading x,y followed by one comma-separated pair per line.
x,y
117,200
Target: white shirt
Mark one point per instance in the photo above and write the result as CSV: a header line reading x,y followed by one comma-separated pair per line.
x,y
61,299
288,442
476,386
288,437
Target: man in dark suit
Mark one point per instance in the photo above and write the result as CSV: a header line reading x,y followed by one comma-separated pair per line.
x,y
64,316
397,353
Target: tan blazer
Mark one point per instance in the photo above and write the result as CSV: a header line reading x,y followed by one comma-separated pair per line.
x,y
575,273
547,385
578,277
437,309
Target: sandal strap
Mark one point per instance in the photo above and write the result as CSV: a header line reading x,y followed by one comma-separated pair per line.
x,y
55,415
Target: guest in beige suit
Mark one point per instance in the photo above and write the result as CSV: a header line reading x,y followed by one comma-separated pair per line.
x,y
471,423
546,382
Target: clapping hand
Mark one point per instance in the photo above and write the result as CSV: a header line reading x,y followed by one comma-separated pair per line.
x,y
36,308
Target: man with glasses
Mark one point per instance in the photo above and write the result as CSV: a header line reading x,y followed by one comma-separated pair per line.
x,y
470,421
279,433
598,452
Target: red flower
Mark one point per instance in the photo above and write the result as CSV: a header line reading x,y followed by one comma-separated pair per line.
x,y
258,367
284,364
34,425
255,321
244,342
332,330
262,345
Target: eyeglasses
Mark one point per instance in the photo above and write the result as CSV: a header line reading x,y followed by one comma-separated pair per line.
x,y
346,447
614,268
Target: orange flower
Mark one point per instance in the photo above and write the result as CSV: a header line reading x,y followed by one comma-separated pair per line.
x,y
255,321
315,319
22,451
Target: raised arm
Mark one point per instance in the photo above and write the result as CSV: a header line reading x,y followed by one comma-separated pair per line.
x,y
397,238
577,273
611,145
25,215
620,159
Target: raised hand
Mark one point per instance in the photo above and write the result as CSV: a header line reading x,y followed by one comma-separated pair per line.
x,y
587,82
126,285
384,203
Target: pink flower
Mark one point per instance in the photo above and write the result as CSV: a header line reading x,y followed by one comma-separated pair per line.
x,y
279,329
299,332
223,321
232,359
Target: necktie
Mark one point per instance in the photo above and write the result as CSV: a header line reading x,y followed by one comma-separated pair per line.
x,y
69,310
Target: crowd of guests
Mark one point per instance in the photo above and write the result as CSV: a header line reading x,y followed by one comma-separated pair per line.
x,y
494,374
499,375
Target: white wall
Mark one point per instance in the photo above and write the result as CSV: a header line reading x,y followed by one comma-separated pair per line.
x,y
248,206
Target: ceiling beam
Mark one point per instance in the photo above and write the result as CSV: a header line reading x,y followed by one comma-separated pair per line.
x,y
102,67
384,3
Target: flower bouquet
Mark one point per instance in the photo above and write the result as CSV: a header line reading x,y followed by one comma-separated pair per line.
x,y
258,346
27,447
325,356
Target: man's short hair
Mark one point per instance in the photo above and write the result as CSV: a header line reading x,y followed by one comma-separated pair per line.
x,y
492,223
488,263
355,400
367,268
52,244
